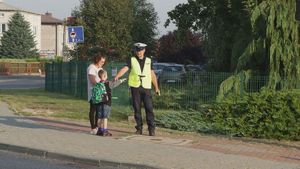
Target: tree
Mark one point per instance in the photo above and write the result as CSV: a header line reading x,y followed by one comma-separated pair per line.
x,y
225,26
185,51
18,41
106,24
261,35
114,26
276,37
144,24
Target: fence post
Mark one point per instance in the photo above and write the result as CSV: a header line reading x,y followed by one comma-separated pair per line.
x,y
79,79
46,81
6,68
82,80
70,77
60,77
52,87
76,77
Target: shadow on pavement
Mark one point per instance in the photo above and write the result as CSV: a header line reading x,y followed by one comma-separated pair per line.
x,y
37,123
19,122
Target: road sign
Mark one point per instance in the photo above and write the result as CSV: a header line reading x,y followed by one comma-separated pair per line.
x,y
75,34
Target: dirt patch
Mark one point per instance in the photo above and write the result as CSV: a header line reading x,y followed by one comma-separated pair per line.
x,y
36,112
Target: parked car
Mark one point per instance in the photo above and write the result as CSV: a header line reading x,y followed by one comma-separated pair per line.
x,y
194,75
158,67
172,73
193,68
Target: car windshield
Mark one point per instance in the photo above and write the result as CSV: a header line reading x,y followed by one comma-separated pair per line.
x,y
158,67
193,68
173,68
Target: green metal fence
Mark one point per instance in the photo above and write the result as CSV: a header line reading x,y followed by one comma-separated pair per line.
x,y
193,90
70,78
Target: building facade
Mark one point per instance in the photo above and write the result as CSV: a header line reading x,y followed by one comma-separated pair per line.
x,y
52,36
7,11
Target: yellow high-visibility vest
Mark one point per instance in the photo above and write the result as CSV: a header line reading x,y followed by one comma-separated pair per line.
x,y
138,78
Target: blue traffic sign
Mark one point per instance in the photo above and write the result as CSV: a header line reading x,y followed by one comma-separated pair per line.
x,y
75,34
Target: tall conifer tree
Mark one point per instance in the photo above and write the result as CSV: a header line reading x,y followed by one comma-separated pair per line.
x,y
18,42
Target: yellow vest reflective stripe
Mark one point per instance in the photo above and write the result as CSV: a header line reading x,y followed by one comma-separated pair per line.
x,y
136,76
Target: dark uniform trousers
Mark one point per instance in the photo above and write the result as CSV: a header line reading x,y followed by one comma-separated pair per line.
x,y
141,95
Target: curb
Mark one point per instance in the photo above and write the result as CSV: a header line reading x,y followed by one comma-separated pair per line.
x,y
57,156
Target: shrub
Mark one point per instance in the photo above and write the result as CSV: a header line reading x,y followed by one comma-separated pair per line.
x,y
170,99
267,114
184,121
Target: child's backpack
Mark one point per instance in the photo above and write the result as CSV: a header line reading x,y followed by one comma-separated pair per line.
x,y
97,93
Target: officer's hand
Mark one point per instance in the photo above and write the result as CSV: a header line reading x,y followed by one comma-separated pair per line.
x,y
157,92
116,78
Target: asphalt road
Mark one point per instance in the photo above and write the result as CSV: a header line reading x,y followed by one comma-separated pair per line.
x,y
21,82
10,160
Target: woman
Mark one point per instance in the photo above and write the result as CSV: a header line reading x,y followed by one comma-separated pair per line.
x,y
93,78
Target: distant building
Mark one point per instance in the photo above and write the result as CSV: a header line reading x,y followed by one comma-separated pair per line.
x,y
71,20
6,11
49,32
52,36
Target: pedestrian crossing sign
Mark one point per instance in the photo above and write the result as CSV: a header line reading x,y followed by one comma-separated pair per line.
x,y
75,34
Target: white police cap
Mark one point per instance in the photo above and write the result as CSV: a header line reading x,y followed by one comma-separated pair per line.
x,y
140,45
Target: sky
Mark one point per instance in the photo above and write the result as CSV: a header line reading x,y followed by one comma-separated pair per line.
x,y
62,8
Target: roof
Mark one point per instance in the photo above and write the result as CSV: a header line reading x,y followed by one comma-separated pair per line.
x,y
48,19
6,7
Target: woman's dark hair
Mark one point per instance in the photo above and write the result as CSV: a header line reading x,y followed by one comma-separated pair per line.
x,y
98,56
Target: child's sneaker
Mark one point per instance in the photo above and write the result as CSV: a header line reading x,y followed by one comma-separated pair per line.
x,y
106,133
99,132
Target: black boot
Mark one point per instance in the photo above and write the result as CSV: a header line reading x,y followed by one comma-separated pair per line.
x,y
139,131
151,132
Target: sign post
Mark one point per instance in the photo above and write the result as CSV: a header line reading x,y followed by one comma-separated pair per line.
x,y
76,35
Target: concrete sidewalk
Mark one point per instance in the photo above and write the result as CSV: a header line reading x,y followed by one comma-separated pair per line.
x,y
39,137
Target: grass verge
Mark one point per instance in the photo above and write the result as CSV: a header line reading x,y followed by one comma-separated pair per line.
x,y
38,102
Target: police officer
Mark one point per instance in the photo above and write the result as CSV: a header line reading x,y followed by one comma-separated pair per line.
x,y
140,77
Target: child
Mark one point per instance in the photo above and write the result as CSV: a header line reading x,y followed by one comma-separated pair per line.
x,y
101,96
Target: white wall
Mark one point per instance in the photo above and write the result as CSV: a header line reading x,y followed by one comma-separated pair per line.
x,y
49,40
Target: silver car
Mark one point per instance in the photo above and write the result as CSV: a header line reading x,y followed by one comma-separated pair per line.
x,y
193,68
158,67
172,73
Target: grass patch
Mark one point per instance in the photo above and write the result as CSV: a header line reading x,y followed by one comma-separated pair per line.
x,y
38,102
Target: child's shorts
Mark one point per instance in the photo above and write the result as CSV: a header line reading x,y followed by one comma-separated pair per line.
x,y
103,111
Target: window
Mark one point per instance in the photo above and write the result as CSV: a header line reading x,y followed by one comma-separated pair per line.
x,y
3,27
34,30
1,15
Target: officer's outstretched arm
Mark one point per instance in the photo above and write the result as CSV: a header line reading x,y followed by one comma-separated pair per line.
x,y
121,72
